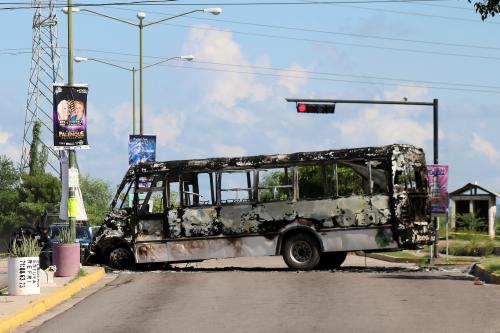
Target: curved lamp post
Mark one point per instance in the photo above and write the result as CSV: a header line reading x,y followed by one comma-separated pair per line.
x,y
134,70
141,25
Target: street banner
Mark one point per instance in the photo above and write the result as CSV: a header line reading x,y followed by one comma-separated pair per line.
x,y
70,116
437,176
141,148
66,175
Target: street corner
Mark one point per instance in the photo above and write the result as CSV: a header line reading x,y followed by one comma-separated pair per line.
x,y
18,310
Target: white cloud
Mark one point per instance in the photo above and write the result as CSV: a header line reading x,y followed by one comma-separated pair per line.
x,y
167,127
234,115
483,147
380,127
119,120
9,149
4,137
293,78
228,151
226,88
412,94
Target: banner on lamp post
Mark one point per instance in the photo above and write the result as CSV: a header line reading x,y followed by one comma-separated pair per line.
x,y
70,116
437,176
141,148
70,178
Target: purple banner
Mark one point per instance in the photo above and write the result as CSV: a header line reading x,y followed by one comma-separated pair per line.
x,y
70,116
437,175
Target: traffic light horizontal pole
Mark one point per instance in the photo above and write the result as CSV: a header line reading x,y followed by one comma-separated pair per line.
x,y
356,101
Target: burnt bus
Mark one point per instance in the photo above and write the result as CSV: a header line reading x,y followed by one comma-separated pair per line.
x,y
310,207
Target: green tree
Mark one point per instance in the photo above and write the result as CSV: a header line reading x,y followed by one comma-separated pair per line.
x,y
97,195
38,160
40,191
487,8
9,198
471,222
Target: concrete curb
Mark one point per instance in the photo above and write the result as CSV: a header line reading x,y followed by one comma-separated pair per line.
x,y
42,305
380,256
485,275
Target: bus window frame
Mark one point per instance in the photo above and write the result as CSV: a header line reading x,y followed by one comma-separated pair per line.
x,y
194,181
162,176
252,189
292,186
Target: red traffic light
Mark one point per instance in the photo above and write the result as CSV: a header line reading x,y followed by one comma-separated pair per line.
x,y
315,108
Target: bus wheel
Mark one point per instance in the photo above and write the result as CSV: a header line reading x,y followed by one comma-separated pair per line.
x,y
120,258
301,251
332,260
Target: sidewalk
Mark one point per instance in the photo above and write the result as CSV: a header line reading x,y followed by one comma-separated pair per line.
x,y
17,310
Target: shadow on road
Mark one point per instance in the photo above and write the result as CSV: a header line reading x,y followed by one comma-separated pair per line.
x,y
426,277
344,269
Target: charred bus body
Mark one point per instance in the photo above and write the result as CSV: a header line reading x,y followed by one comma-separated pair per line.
x,y
310,207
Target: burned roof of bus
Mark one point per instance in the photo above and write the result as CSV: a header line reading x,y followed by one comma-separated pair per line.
x,y
275,160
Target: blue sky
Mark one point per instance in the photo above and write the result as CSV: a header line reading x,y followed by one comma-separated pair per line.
x,y
230,99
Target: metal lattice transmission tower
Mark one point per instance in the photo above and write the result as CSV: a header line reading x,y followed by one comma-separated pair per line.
x,y
45,70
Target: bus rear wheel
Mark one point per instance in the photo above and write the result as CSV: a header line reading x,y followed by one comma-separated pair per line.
x,y
301,252
120,258
332,260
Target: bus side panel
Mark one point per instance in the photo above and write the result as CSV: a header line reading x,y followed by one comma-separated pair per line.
x,y
358,239
150,252
210,248
230,247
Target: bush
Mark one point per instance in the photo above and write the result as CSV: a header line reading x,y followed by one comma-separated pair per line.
x,y
28,247
476,246
471,222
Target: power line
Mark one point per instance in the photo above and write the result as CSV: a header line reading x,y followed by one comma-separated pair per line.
x,y
284,69
303,29
168,2
399,12
329,79
399,49
301,75
463,55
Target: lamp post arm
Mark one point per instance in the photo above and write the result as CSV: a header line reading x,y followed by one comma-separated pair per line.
x,y
160,62
108,16
172,17
111,64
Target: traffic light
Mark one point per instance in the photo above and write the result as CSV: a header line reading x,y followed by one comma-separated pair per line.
x,y
315,108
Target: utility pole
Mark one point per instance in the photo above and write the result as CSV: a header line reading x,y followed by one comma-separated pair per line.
x,y
45,70
72,200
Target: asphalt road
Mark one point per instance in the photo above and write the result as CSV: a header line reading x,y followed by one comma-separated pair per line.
x,y
273,299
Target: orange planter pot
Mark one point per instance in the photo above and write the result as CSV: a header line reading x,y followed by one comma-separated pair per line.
x,y
66,257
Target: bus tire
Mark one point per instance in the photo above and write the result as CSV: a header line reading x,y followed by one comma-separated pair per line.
x,y
332,260
301,252
120,258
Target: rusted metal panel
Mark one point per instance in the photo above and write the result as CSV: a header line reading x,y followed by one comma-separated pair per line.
x,y
151,252
150,230
223,247
358,239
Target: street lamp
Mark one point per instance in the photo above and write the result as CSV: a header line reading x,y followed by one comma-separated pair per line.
x,y
134,70
141,16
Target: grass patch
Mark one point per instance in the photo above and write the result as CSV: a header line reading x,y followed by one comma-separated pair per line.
x,y
402,255
81,273
492,264
467,236
474,246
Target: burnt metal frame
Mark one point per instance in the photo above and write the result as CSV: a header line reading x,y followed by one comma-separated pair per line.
x,y
434,104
